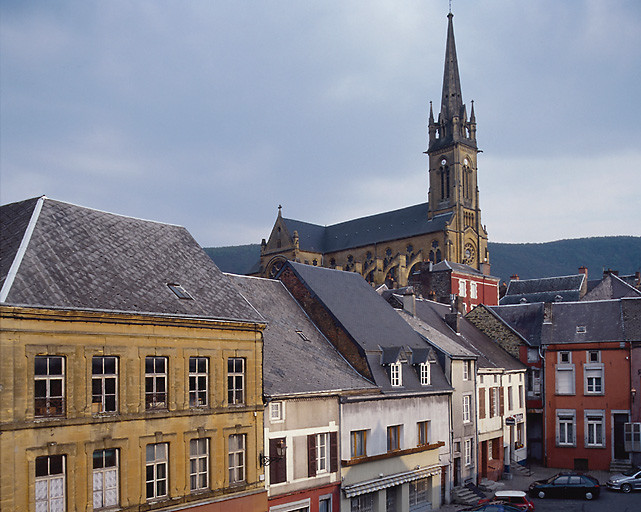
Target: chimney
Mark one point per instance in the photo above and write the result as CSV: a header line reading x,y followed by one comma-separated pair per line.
x,y
409,300
584,270
514,277
485,268
452,319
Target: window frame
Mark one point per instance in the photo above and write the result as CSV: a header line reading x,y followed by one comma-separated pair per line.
x,y
102,474
467,452
561,369
236,381
157,477
103,378
590,379
50,480
158,379
467,408
199,391
358,438
462,287
423,432
565,418
322,453
396,374
49,403
196,469
425,373
632,436
276,412
473,290
394,433
594,421
237,458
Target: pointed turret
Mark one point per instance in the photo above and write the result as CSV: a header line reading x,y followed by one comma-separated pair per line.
x,y
451,99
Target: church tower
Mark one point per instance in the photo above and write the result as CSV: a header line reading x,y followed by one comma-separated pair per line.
x,y
453,152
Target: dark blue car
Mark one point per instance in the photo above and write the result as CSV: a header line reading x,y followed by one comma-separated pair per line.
x,y
566,485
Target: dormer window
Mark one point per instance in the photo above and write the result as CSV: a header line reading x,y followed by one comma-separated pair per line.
x,y
581,329
179,291
424,373
396,374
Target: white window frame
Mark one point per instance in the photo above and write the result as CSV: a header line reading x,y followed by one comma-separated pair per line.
x,y
236,380
50,488
561,355
467,408
510,399
467,369
632,436
158,380
322,453
569,368
199,464
590,353
593,374
473,290
105,481
565,418
490,449
276,412
325,498
468,452
396,374
100,399
157,458
594,421
49,404
198,382
236,458
462,287
425,373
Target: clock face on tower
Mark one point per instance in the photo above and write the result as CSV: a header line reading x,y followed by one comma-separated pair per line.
x,y
469,254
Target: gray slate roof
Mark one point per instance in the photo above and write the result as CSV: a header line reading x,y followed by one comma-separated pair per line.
x,y
602,321
371,323
291,364
525,319
611,287
546,289
80,258
489,354
382,227
445,265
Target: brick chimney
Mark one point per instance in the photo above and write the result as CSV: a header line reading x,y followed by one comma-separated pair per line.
x,y
514,277
583,270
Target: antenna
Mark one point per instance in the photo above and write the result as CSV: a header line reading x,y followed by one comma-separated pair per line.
x,y
450,6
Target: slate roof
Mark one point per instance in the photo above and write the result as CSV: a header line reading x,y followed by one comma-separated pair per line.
x,y
489,354
291,364
73,257
611,287
602,321
443,266
370,322
525,319
546,289
382,227
632,318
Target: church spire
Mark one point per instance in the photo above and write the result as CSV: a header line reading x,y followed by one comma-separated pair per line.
x,y
452,99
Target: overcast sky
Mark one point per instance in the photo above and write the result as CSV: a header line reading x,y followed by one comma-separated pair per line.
x,y
209,114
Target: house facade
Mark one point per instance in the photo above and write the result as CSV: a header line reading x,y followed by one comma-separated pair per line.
x,y
122,396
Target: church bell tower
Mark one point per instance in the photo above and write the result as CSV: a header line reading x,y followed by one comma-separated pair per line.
x,y
453,152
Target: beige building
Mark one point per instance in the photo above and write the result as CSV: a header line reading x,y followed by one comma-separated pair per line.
x,y
131,369
388,247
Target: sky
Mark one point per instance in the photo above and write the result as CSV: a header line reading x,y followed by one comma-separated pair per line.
x,y
211,114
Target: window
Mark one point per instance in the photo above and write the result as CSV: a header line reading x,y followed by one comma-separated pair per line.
x,y
532,355
155,382
423,433
481,403
322,453
179,291
564,379
565,358
467,417
494,402
468,452
420,494
462,287
359,443
50,483
105,478
534,382
104,383
473,289
325,503
594,426
362,503
236,380
396,375
594,356
236,458
156,470
510,402
198,381
565,427
276,411
593,375
49,386
278,460
520,395
467,370
632,437
581,329
199,464
519,435
424,371
490,449
393,438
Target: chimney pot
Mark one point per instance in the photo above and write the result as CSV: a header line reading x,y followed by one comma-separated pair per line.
x,y
514,277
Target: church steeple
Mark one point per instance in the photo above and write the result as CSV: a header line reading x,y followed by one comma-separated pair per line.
x,y
451,99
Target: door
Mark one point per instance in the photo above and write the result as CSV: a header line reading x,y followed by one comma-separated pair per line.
x,y
619,440
457,471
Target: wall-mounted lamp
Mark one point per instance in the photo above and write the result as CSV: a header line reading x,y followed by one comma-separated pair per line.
x,y
633,392
280,453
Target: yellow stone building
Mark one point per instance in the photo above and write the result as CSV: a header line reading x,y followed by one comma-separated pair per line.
x,y
130,368
389,247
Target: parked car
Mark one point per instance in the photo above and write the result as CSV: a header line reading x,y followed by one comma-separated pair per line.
x,y
626,481
517,499
566,485
493,507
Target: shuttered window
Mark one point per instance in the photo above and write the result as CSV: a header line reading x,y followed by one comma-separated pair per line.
x,y
481,403
564,379
277,464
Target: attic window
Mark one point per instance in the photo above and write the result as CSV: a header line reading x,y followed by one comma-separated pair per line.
x,y
580,329
179,291
302,335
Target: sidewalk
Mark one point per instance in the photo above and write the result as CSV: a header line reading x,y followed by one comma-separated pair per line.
x,y
521,483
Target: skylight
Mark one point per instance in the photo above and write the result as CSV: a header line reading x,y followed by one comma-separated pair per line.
x,y
179,291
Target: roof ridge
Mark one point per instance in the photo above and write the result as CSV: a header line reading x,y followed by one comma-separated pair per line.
x,y
22,249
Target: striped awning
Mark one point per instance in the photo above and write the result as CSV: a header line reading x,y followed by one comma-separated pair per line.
x,y
384,482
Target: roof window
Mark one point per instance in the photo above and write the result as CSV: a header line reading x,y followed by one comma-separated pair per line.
x,y
179,291
302,335
581,329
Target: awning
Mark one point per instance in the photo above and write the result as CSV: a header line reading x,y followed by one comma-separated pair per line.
x,y
390,481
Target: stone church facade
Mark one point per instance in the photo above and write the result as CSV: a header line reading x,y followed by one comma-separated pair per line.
x,y
389,247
